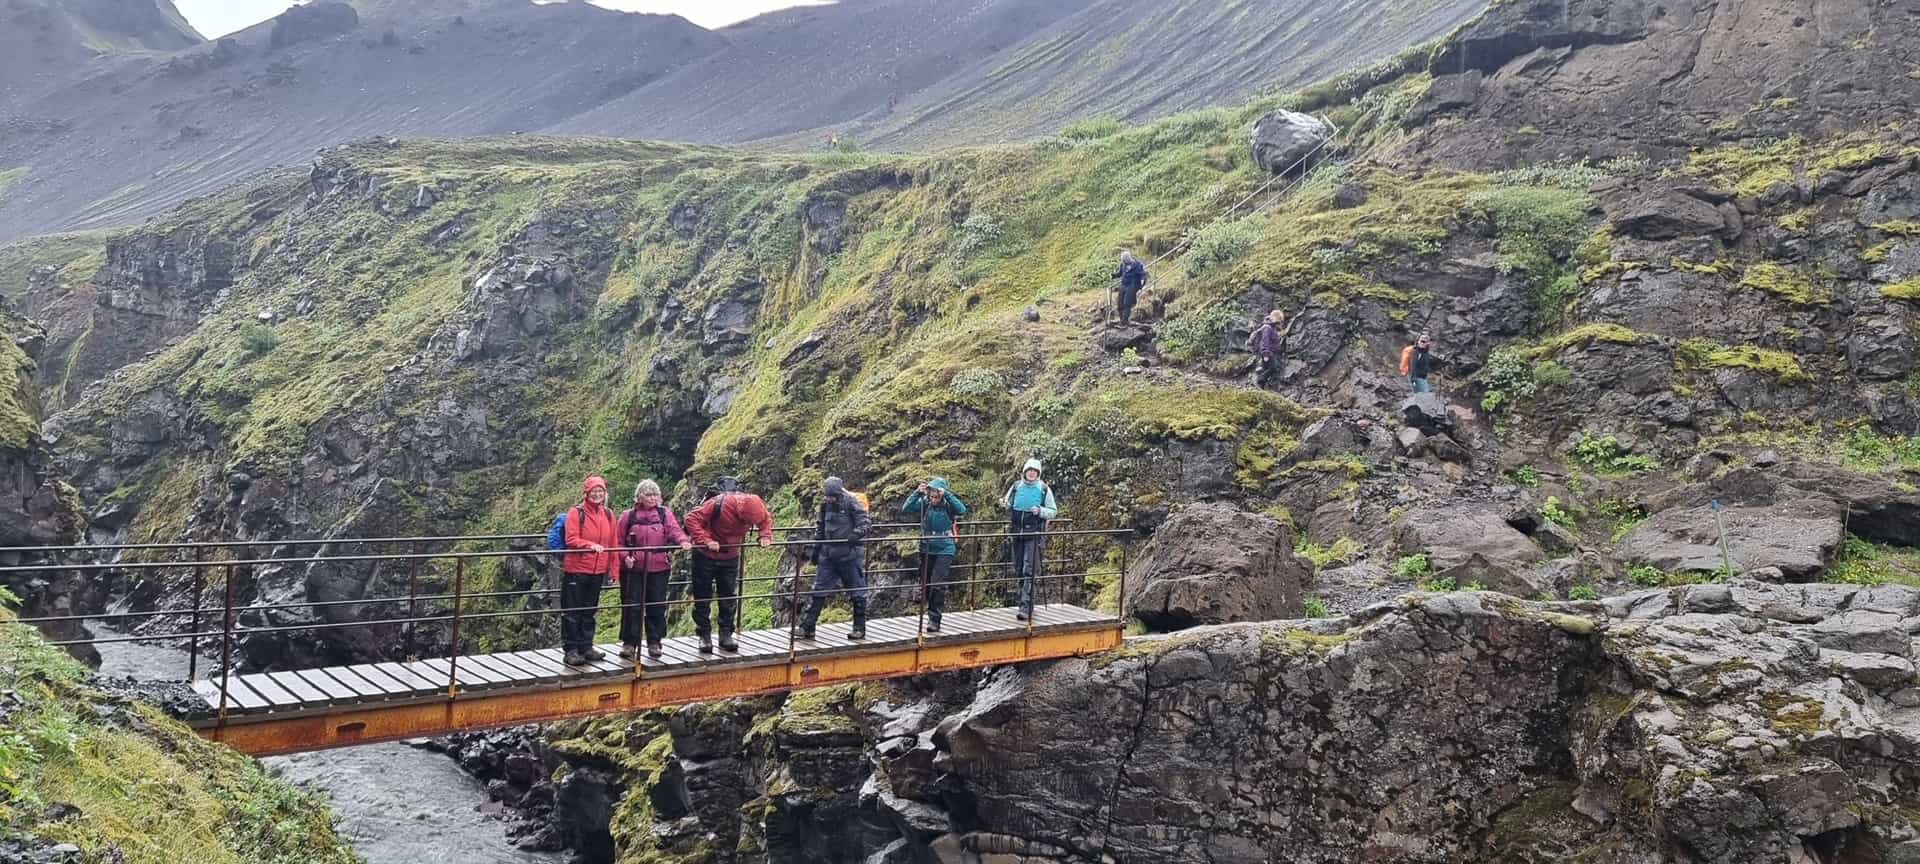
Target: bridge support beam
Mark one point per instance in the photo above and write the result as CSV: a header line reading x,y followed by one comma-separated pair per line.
x,y
345,725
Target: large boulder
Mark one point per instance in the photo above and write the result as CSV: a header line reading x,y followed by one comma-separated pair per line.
x,y
1212,564
1662,214
1283,139
1455,536
1797,537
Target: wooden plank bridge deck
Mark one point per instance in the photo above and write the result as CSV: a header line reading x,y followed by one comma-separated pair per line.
x,y
284,712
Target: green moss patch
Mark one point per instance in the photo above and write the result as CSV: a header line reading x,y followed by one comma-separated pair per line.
x,y
1792,285
147,792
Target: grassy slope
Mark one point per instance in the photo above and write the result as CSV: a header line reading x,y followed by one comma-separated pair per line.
x,y
125,783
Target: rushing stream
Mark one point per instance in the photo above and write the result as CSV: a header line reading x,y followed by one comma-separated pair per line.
x,y
396,804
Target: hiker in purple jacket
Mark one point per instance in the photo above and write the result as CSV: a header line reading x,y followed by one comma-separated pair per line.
x,y
1266,347
647,532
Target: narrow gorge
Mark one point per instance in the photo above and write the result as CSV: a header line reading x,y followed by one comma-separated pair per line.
x,y
1637,583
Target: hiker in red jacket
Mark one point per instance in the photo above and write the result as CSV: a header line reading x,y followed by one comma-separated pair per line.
x,y
719,527
590,529
648,531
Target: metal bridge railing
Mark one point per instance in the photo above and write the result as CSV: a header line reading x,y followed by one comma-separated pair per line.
x,y
1078,554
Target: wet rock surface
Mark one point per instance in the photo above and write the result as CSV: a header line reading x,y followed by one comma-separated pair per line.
x,y
1727,723
1214,564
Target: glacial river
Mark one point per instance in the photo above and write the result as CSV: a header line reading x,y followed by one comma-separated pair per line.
x,y
395,804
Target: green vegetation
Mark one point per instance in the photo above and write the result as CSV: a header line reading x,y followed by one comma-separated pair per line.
x,y
1413,566
1540,228
129,784
1345,550
1607,456
1647,576
1908,289
8,176
1314,607
1863,562
1509,376
1701,354
1752,171
1199,333
1793,286
1553,512
1439,586
1583,592
1525,475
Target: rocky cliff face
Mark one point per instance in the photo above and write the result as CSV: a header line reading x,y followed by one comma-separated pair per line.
x,y
1718,723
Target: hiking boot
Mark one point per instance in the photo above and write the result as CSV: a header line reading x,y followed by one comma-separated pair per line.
x,y
1020,615
592,655
654,650
806,633
727,643
706,644
858,633
573,658
629,652
933,627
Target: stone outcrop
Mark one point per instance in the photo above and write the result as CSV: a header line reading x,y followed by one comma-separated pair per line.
x,y
312,21
1215,564
1283,139
1720,724
1798,539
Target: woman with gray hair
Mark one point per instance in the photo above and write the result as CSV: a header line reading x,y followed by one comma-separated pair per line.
x,y
648,533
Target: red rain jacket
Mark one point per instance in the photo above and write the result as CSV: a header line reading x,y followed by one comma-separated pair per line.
x,y
590,524
738,513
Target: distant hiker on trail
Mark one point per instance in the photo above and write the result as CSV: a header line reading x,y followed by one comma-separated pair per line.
x,y
939,511
719,528
1265,342
1416,363
837,556
1030,506
646,530
1133,277
590,532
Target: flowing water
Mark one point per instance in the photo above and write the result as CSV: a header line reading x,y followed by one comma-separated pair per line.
x,y
396,804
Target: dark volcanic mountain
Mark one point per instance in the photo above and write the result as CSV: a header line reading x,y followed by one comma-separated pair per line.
x,y
114,110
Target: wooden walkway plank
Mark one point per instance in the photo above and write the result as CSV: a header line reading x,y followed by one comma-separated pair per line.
x,y
325,683
305,692
274,693
332,687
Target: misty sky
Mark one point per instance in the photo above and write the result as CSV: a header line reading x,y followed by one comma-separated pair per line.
x,y
216,18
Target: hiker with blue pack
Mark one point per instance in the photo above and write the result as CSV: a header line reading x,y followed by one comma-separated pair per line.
x,y
939,511
589,531
1030,506
648,532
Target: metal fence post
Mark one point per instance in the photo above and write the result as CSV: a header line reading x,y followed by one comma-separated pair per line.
x,y
453,656
193,627
226,644
413,607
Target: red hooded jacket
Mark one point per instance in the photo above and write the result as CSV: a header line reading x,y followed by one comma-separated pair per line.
x,y
728,519
594,525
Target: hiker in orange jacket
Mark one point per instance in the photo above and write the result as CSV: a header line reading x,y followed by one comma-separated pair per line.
x,y
591,530
719,526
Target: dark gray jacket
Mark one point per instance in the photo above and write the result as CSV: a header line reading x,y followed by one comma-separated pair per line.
x,y
842,528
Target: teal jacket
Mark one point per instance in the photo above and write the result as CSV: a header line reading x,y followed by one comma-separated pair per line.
x,y
936,523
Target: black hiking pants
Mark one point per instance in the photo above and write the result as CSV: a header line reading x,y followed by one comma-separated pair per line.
x,y
643,606
1128,296
938,569
580,601
708,574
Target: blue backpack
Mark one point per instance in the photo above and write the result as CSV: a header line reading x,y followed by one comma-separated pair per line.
x,y
557,532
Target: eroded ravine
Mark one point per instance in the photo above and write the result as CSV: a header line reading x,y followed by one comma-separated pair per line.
x,y
395,803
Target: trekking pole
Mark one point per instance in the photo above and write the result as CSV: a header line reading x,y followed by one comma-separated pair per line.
x,y
1726,556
